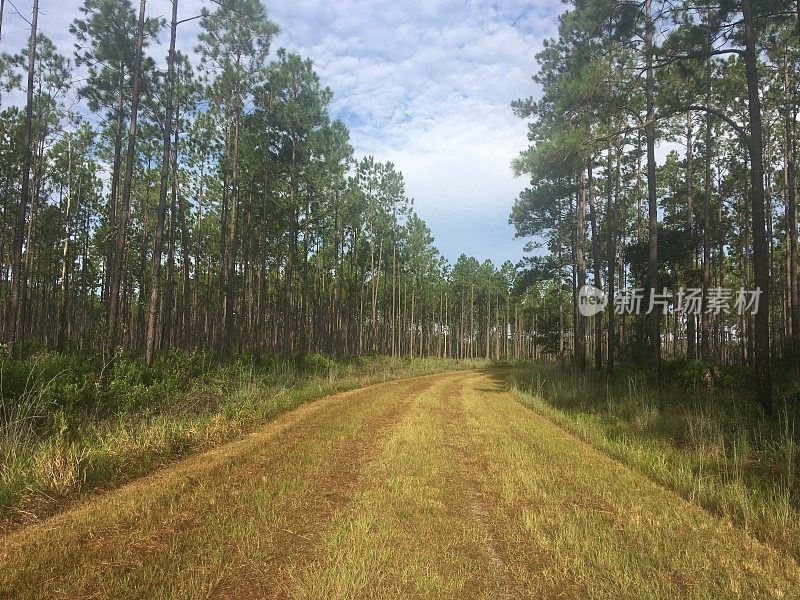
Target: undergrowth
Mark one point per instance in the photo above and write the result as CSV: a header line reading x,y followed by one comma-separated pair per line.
x,y
708,443
70,423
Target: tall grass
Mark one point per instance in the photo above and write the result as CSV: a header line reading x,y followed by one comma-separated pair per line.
x,y
709,444
69,423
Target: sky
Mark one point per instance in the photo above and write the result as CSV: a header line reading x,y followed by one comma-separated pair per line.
x,y
425,85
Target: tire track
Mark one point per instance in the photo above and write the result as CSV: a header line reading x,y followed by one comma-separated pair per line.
x,y
297,469
332,492
467,480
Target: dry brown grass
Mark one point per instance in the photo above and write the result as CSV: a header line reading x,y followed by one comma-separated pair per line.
x,y
438,487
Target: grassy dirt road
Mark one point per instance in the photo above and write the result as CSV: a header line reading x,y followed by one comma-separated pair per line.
x,y
435,487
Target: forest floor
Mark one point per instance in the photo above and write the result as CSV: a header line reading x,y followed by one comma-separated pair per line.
x,y
443,486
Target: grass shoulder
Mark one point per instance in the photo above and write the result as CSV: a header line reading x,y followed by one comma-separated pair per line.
x,y
706,442
70,424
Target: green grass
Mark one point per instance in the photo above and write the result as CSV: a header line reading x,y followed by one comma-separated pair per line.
x,y
405,533
709,444
64,430
439,487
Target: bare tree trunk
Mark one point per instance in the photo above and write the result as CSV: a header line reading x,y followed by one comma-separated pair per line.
x,y
155,265
760,247
488,324
638,180
598,266
168,308
791,214
183,209
611,215
705,337
652,203
114,191
62,306
413,323
472,337
288,308
691,318
580,263
122,225
16,314
230,256
560,289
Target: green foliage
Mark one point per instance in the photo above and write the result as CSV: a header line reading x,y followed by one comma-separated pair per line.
x,y
70,422
318,365
690,373
64,381
105,34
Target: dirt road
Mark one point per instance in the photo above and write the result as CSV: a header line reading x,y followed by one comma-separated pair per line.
x,y
436,487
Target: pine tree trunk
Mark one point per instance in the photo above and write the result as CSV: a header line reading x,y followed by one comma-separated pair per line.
x,y
141,325
691,318
168,308
158,236
598,266
580,263
705,324
560,289
62,303
16,313
760,246
611,212
791,213
288,312
228,332
122,225
652,200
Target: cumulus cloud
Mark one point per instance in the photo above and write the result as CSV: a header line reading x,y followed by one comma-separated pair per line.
x,y
426,85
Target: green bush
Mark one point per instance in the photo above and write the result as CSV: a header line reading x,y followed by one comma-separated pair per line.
x,y
319,365
689,373
69,422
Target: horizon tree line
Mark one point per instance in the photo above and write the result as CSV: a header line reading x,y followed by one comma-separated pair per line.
x,y
212,202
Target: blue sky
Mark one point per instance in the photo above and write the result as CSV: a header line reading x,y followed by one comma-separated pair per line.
x,y
426,85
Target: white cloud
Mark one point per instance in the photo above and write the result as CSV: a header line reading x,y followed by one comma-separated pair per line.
x,y
426,85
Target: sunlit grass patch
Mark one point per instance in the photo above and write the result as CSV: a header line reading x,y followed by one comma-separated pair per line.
x,y
61,432
222,522
406,533
439,487
578,524
709,446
